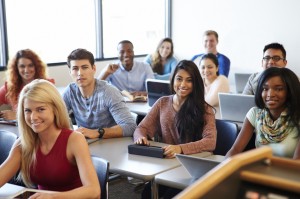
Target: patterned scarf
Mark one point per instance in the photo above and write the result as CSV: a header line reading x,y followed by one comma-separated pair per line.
x,y
272,131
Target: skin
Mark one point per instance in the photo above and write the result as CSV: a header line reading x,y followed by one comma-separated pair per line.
x,y
271,63
126,56
274,97
40,117
164,51
210,43
26,71
208,71
82,73
183,87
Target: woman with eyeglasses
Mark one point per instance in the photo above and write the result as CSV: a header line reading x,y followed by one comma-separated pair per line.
x,y
24,67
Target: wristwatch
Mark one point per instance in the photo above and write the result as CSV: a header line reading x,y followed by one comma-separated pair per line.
x,y
101,132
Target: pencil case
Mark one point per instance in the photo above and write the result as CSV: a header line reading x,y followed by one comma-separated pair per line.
x,y
151,151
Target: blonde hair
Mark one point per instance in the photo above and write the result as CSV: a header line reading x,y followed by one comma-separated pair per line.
x,y
38,90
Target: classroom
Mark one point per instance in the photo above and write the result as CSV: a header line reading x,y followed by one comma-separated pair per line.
x,y
244,28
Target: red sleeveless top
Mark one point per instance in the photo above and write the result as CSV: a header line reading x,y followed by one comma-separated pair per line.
x,y
54,171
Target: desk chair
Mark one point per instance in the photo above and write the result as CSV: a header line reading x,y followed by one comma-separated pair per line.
x,y
226,134
7,140
102,168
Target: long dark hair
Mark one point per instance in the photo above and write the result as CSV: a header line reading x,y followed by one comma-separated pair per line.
x,y
190,117
292,84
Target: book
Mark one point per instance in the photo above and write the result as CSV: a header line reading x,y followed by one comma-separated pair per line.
x,y
130,98
8,191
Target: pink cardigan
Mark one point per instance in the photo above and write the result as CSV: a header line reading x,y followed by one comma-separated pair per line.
x,y
160,120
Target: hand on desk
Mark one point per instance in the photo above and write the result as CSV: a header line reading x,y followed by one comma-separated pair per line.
x,y
142,141
171,150
89,133
8,115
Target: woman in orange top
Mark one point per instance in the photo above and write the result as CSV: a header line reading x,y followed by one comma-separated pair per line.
x,y
24,67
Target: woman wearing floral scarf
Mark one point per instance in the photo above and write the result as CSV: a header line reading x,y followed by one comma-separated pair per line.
x,y
276,119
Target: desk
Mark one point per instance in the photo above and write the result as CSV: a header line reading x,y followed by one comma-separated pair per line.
x,y
178,177
140,108
12,128
115,150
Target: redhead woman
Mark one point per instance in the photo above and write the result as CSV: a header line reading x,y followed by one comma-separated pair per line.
x,y
24,67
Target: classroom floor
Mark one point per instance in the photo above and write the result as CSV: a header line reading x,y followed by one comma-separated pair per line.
x,y
120,188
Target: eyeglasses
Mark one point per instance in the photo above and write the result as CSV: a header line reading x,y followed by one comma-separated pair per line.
x,y
275,58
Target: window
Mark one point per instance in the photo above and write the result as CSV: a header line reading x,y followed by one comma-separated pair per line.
x,y
53,28
141,22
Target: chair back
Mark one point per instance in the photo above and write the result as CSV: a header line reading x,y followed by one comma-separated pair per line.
x,y
102,168
7,140
227,132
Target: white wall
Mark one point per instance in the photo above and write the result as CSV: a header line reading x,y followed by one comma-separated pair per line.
x,y
244,27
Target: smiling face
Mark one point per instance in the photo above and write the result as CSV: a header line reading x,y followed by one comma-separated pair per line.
x,y
82,73
38,116
208,69
165,49
26,70
183,84
274,95
126,55
210,43
268,61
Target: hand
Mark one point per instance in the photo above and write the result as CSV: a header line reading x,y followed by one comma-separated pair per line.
x,y
89,133
8,115
42,196
139,93
142,141
111,68
171,150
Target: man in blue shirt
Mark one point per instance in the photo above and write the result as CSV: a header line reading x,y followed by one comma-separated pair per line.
x,y
99,108
210,41
127,74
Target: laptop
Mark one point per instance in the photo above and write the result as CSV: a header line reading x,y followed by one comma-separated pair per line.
x,y
157,88
196,166
234,107
241,80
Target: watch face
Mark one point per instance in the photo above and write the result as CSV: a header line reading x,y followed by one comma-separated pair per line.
x,y
101,132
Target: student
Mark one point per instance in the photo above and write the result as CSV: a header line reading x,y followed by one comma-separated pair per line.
x,y
49,154
274,55
99,108
162,60
183,120
213,81
276,119
210,42
127,74
24,67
